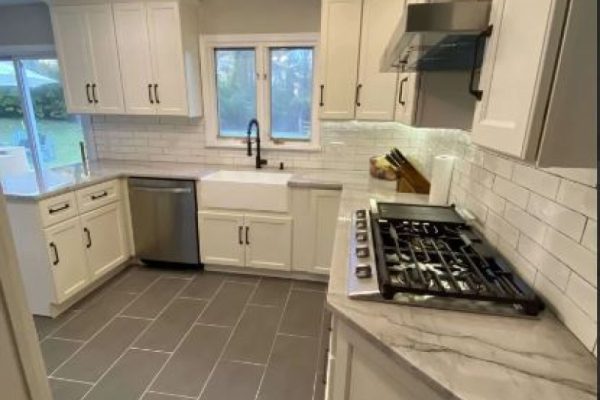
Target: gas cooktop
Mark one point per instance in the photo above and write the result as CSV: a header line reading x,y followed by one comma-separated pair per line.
x,y
429,256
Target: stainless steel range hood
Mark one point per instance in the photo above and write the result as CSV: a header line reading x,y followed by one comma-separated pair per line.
x,y
437,37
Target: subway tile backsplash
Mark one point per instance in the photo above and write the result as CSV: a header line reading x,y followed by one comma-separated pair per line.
x,y
543,220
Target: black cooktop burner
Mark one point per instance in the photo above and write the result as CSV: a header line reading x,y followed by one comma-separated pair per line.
x,y
428,250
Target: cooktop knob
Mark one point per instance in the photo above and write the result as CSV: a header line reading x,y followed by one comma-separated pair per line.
x,y
361,224
362,251
363,271
361,237
361,214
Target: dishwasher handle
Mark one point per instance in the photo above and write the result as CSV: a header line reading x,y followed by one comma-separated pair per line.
x,y
162,190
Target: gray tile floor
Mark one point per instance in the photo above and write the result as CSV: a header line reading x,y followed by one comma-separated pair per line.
x,y
154,334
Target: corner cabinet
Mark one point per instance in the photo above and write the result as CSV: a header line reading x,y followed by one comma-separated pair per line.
x,y
354,34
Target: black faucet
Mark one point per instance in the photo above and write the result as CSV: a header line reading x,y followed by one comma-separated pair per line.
x,y
259,162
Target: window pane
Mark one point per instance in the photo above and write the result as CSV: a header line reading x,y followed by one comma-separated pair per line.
x,y
15,149
59,133
236,90
291,92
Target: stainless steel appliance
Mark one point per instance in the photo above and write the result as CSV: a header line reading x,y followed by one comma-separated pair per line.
x,y
429,256
164,215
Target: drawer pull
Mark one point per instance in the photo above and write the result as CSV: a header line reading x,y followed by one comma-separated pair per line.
x,y
59,209
99,196
55,249
89,238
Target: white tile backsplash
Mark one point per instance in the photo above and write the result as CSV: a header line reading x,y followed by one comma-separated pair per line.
x,y
542,220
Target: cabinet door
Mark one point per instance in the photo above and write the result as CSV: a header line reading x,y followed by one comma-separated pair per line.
x,y
104,238
325,204
406,98
70,35
516,74
134,57
340,38
103,54
376,91
67,258
221,238
166,51
268,241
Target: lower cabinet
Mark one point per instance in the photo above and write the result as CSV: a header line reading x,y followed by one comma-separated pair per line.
x,y
245,240
67,258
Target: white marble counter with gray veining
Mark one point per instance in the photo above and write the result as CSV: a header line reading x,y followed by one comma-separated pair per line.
x,y
462,355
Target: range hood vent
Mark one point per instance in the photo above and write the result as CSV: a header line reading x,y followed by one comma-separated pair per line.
x,y
438,37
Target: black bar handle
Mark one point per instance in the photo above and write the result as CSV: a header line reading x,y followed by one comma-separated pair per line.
x,y
240,241
87,93
156,93
89,237
61,208
150,93
321,103
55,249
99,196
401,91
94,93
477,93
358,87
247,235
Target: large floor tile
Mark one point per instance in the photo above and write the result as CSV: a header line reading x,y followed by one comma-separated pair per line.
x,y
85,324
310,285
254,335
227,306
242,278
303,313
204,286
56,351
173,323
129,377
135,280
233,380
154,300
64,390
189,368
98,355
46,325
290,374
271,292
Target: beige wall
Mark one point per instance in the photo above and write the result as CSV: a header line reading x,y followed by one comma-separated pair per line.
x,y
260,16
25,25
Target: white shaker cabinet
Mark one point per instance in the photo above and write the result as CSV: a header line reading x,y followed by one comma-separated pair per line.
x,y
87,51
67,258
354,34
222,238
268,241
158,54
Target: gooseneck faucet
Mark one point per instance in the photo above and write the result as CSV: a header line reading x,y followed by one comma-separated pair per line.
x,y
259,162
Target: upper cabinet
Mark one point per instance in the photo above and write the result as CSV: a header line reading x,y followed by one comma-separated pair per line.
x,y
354,34
87,49
130,58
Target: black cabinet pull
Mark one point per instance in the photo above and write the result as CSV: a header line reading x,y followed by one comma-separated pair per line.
x,y
156,93
87,92
240,241
150,93
99,196
401,91
55,249
478,43
89,237
59,209
247,235
358,87
94,93
321,104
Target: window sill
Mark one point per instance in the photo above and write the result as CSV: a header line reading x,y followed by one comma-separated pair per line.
x,y
287,146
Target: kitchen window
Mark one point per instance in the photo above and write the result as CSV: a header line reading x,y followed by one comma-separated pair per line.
x,y
271,78
36,133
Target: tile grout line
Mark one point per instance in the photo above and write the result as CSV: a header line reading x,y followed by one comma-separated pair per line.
x,y
64,339
233,329
72,380
181,396
53,331
185,335
137,336
103,326
320,346
285,305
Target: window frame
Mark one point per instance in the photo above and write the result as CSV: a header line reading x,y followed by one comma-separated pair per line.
x,y
261,43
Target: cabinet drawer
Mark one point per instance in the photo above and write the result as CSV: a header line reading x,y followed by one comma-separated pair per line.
x,y
57,209
93,197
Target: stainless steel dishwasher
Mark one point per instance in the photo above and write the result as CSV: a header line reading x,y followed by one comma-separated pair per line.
x,y
164,215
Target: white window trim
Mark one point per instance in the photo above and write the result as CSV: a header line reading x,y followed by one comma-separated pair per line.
x,y
259,41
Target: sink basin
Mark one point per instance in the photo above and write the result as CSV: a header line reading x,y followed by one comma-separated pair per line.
x,y
245,190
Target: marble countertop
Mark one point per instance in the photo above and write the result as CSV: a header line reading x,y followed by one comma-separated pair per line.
x,y
33,188
462,355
